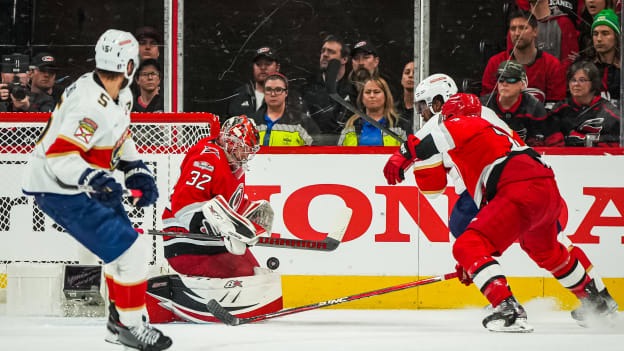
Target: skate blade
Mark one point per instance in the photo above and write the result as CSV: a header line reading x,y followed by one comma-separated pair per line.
x,y
520,326
111,338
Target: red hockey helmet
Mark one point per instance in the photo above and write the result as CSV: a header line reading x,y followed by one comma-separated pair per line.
x,y
240,140
461,105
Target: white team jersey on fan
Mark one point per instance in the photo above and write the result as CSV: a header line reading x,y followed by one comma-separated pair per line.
x,y
487,114
88,129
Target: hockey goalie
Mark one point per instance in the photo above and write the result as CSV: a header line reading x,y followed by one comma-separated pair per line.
x,y
209,198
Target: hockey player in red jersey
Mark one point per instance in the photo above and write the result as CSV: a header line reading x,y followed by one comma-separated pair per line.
x,y
70,176
209,197
518,199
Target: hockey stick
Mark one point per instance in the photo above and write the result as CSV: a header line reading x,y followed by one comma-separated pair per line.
x,y
328,244
222,314
331,74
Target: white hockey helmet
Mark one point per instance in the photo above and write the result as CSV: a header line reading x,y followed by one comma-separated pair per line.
x,y
434,85
113,51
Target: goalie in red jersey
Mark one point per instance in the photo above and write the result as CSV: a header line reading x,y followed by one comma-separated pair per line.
x,y
518,199
209,197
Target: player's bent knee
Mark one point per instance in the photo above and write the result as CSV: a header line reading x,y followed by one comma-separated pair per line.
x,y
131,266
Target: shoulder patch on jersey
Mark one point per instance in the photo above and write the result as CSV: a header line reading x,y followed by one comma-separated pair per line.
x,y
85,130
210,150
203,165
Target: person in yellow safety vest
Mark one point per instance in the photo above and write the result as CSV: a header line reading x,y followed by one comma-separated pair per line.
x,y
378,103
279,124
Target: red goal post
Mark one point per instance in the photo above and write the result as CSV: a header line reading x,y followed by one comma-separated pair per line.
x,y
156,136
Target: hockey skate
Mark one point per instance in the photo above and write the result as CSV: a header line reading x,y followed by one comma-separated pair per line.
x,y
111,331
508,317
142,337
597,309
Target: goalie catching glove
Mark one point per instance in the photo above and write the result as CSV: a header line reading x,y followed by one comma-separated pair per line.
x,y
237,231
140,178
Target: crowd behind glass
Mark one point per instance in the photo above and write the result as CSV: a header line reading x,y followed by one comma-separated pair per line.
x,y
556,84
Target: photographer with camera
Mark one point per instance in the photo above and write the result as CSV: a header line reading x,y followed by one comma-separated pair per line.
x,y
15,94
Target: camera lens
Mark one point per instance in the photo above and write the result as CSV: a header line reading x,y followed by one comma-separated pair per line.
x,y
18,91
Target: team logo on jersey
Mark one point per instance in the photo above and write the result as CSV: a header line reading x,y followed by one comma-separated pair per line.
x,y
233,284
203,165
237,197
210,150
85,130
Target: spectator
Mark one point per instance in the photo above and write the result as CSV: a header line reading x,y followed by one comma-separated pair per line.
x,y
572,8
364,55
592,8
556,33
520,110
586,118
249,97
377,102
14,91
405,105
278,124
328,114
148,82
43,76
545,73
149,41
606,53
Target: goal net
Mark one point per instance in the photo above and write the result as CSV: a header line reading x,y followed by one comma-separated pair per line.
x,y
28,235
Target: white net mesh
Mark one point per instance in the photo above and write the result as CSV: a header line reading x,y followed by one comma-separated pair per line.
x,y
28,235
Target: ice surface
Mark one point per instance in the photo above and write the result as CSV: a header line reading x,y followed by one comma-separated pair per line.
x,y
329,330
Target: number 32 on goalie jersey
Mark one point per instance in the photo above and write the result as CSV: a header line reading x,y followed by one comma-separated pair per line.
x,y
198,179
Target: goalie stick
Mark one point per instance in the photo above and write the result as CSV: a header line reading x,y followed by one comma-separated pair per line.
x,y
330,243
331,74
222,314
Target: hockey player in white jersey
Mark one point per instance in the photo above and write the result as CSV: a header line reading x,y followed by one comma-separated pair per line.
x,y
70,176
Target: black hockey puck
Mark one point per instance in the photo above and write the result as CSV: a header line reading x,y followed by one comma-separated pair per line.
x,y
273,263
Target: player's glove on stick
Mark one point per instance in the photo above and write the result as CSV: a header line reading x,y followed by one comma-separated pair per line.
x,y
103,187
400,161
140,178
462,275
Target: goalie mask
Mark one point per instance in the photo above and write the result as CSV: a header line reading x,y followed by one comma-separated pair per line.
x,y
113,51
240,140
432,86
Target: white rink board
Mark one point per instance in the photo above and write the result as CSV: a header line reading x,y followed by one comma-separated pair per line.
x,y
363,255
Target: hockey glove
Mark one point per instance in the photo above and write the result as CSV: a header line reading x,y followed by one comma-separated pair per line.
x,y
400,161
103,187
462,275
140,178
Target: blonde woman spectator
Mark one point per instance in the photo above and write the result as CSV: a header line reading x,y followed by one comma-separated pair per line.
x,y
377,102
